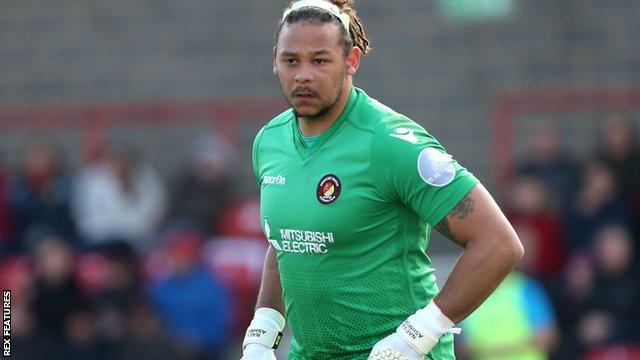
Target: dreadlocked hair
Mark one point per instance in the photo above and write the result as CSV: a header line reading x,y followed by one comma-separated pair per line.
x,y
356,35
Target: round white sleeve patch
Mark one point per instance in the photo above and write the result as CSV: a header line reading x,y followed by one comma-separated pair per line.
x,y
435,167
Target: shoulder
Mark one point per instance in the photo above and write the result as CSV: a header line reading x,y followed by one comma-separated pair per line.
x,y
269,136
275,125
398,134
280,120
369,114
384,123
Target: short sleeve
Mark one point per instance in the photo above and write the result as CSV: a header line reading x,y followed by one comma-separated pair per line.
x,y
410,166
255,150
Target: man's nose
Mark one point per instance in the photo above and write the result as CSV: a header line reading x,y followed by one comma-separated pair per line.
x,y
304,75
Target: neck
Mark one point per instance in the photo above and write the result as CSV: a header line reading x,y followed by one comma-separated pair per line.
x,y
311,127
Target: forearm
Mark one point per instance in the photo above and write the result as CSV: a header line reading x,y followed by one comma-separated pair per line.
x,y
265,331
481,268
270,294
492,249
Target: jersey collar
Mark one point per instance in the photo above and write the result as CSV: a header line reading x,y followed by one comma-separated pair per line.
x,y
297,141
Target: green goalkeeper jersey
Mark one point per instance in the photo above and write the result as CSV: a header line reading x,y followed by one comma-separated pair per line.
x,y
350,219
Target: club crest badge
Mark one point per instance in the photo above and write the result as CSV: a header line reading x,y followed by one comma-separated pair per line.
x,y
328,189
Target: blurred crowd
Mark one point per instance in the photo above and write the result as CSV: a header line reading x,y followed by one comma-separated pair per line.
x,y
576,293
113,261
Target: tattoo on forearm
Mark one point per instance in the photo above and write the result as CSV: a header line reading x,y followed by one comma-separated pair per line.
x,y
460,211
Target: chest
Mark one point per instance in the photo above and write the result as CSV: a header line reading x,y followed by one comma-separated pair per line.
x,y
327,201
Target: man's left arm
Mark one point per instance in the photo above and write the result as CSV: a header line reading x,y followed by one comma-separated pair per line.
x,y
433,185
491,250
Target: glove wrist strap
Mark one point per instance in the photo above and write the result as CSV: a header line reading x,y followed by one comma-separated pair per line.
x,y
423,329
265,328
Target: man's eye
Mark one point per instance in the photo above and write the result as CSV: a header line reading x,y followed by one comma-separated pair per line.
x,y
320,61
289,61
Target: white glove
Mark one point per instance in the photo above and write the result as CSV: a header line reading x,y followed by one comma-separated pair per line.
x,y
258,352
415,337
263,335
393,347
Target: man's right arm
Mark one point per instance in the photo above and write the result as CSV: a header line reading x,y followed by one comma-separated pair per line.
x,y
265,331
270,295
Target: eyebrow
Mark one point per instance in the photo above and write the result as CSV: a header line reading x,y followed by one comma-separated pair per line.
x,y
315,53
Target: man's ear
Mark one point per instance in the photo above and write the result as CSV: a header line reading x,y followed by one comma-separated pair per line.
x,y
275,71
353,60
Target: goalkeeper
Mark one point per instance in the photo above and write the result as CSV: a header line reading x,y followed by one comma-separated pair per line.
x,y
349,193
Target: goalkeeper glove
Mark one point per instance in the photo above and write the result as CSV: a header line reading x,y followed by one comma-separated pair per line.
x,y
263,335
415,337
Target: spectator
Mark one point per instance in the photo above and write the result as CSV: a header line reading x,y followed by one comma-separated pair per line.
x,y
519,311
57,297
24,344
571,294
619,151
598,202
39,195
203,191
113,305
539,225
191,304
5,223
613,314
110,332
119,201
147,341
82,337
515,322
121,287
547,160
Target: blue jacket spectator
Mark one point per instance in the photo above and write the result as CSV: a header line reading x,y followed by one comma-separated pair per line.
x,y
39,197
191,303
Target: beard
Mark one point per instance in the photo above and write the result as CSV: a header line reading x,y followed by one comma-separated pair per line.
x,y
320,113
324,107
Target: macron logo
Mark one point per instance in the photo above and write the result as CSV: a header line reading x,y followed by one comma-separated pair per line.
x,y
405,134
274,180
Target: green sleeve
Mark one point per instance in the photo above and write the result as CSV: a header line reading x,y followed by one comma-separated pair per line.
x,y
410,166
255,150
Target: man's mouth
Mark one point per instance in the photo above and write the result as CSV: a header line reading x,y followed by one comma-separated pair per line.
x,y
304,94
